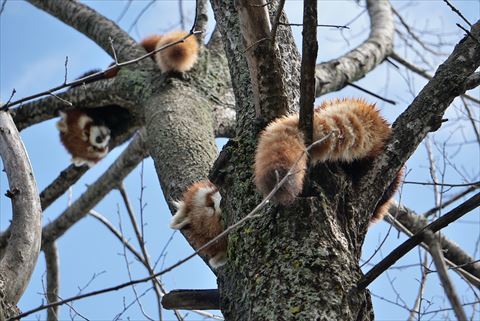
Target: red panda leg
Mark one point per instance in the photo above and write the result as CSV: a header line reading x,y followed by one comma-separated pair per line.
x,y
384,204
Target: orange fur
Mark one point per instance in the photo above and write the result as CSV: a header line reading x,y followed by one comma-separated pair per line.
x,y
199,215
357,132
75,134
150,42
180,57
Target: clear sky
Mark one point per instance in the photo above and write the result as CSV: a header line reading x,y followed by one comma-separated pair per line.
x,y
33,47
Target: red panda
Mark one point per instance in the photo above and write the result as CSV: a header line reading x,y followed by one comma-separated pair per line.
x,y
199,215
357,131
180,57
85,138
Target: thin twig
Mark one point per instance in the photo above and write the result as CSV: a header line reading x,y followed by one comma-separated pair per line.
x,y
100,73
66,70
124,11
318,25
451,200
423,73
443,184
371,93
416,239
457,12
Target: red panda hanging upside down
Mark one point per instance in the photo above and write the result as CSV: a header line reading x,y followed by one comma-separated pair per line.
x,y
355,131
85,138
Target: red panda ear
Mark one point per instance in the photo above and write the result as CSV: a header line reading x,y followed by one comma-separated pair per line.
x,y
62,123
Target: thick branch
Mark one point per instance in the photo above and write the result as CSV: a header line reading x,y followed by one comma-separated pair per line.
x,y
422,116
124,164
333,75
416,239
263,60
416,223
100,93
192,300
20,256
307,71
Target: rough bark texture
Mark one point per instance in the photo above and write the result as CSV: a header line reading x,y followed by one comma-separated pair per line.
x,y
20,256
292,263
180,126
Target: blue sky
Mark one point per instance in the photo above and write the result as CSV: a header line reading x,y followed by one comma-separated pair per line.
x,y
33,47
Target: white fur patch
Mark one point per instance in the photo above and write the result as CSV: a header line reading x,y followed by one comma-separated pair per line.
x,y
83,120
99,132
180,219
218,260
216,201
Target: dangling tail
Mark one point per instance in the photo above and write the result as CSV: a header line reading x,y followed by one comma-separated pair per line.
x,y
356,130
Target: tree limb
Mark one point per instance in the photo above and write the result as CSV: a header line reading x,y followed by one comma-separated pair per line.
x,y
263,60
53,278
97,94
93,25
438,259
422,116
192,300
20,256
333,75
416,239
123,165
413,223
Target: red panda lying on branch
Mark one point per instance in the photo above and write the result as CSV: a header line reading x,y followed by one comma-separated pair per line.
x,y
353,131
86,133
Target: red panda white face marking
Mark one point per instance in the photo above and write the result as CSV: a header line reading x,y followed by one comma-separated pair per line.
x,y
99,136
84,138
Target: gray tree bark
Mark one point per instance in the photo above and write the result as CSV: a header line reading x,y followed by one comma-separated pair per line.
x,y
20,256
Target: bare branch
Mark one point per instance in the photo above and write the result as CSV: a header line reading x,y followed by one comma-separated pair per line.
x,y
422,116
439,261
335,74
425,74
263,60
20,256
123,165
307,71
53,278
93,25
419,237
192,300
457,12
408,222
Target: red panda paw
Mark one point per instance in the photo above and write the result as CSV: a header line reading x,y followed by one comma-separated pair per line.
x,y
180,219
218,260
78,161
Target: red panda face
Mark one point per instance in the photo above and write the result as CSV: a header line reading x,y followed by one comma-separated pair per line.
x,y
99,136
